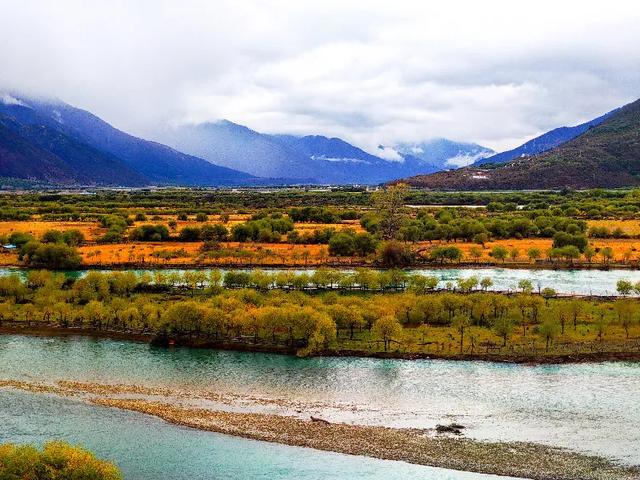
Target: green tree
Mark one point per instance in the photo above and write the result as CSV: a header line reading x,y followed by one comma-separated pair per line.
x,y
624,287
461,323
549,331
534,254
386,328
389,205
499,253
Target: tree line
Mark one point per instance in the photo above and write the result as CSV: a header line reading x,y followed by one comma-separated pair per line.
x,y
308,321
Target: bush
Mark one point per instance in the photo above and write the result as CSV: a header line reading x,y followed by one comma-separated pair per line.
x,y
19,238
342,245
54,256
150,233
395,255
57,460
190,234
217,233
563,239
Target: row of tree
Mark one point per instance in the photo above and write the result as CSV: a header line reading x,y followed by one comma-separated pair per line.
x,y
299,320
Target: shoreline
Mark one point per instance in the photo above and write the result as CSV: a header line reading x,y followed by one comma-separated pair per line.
x,y
559,359
417,446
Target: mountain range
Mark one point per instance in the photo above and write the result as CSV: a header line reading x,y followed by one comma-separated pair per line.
x,y
604,155
50,141
311,158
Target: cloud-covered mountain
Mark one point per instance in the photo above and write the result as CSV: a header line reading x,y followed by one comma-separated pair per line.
x,y
544,142
312,158
444,154
52,141
49,140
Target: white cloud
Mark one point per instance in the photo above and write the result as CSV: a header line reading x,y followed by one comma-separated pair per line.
x,y
495,73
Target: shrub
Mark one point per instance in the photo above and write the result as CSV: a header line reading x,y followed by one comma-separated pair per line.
x,y
150,233
395,255
342,245
54,256
57,460
190,234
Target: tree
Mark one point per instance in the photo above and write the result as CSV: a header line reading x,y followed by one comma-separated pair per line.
x,y
514,254
624,287
395,255
461,323
503,327
589,253
342,245
389,205
548,293
626,311
548,330
525,286
386,328
534,254
475,252
486,283
365,244
446,254
499,253
607,254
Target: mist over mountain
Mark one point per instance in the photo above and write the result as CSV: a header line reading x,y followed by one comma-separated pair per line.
x,y
442,153
312,158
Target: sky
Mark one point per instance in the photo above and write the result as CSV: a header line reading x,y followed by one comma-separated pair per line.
x,y
371,72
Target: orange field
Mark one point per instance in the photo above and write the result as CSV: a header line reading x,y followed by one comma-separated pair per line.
x,y
232,253
37,228
629,227
620,247
280,253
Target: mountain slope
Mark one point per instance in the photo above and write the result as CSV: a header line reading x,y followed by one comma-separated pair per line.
x,y
151,162
544,142
605,156
310,159
235,146
37,152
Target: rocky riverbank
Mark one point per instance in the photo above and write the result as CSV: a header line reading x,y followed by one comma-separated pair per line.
x,y
425,447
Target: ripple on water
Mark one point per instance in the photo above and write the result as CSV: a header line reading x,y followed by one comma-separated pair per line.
x,y
595,407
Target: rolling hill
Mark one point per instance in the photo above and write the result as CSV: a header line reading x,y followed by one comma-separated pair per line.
x,y
605,156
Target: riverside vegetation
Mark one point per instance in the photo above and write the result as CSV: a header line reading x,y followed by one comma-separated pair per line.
x,y
329,312
56,461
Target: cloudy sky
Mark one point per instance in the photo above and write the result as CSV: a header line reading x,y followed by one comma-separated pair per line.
x,y
372,72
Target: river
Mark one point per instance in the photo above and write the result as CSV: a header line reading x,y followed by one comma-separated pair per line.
x,y
594,408
581,282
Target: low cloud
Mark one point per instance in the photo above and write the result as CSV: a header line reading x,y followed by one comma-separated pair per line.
x,y
494,73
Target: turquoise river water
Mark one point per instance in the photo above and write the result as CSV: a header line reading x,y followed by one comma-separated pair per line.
x,y
588,407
